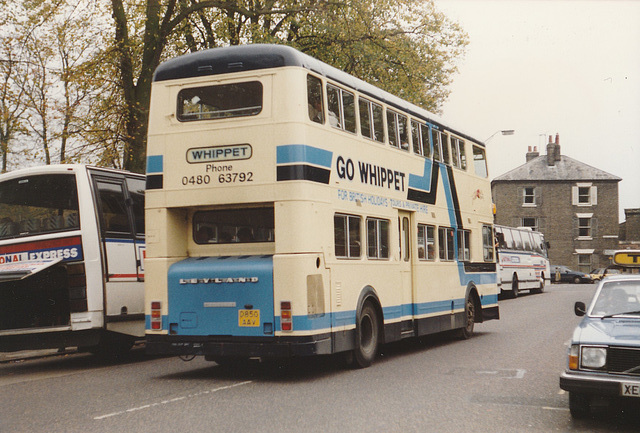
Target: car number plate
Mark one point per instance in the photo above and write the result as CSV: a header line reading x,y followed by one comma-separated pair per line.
x,y
249,318
630,390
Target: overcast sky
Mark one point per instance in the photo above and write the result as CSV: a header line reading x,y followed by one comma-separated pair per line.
x,y
546,67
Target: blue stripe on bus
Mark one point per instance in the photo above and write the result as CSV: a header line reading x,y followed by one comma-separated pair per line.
x,y
348,318
155,164
422,183
300,153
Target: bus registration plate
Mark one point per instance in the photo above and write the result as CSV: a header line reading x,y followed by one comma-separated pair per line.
x,y
630,390
250,318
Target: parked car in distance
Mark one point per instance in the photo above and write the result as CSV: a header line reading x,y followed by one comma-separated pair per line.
x,y
562,274
600,273
604,354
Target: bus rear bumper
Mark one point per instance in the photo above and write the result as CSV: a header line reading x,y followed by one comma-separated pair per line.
x,y
274,347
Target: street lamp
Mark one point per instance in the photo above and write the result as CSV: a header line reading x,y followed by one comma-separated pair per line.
x,y
503,132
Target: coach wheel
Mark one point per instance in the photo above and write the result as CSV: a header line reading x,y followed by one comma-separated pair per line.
x,y
469,319
514,287
579,405
367,336
541,288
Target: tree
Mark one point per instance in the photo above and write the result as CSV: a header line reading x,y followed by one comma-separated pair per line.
x,y
11,107
57,49
405,47
140,50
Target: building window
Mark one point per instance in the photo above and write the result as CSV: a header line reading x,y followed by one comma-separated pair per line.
x,y
584,194
530,222
464,246
528,196
445,243
584,227
347,236
377,238
584,263
426,242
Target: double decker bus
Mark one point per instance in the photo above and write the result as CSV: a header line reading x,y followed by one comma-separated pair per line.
x,y
523,260
295,210
71,258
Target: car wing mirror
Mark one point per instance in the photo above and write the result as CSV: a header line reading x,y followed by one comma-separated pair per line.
x,y
580,309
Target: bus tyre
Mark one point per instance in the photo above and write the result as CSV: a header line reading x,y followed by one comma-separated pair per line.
x,y
367,336
466,332
514,287
541,288
579,405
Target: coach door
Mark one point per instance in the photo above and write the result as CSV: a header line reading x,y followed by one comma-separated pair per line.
x,y
405,225
121,247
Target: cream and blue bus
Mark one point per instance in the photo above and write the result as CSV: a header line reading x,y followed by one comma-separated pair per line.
x,y
295,210
71,258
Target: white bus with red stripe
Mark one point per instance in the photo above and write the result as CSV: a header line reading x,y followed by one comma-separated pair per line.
x,y
71,258
523,261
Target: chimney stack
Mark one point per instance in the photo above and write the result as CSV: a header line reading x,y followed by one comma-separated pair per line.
x,y
557,148
532,154
551,152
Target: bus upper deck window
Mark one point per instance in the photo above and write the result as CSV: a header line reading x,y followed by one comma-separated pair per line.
x,y
220,101
480,162
314,99
342,111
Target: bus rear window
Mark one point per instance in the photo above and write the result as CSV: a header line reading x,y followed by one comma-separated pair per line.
x,y
234,226
220,101
38,204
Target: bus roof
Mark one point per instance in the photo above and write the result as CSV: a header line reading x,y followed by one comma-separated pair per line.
x,y
59,168
253,57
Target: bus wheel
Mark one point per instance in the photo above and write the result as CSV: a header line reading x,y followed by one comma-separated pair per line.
x,y
469,319
367,336
514,287
541,288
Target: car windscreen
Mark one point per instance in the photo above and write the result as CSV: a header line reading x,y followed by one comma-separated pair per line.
x,y
617,297
38,204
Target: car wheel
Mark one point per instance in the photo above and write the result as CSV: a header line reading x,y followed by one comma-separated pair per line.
x,y
579,405
576,280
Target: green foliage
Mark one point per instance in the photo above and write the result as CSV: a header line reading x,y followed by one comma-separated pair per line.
x,y
86,66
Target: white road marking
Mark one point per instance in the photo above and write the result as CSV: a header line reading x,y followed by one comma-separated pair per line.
x,y
173,400
566,409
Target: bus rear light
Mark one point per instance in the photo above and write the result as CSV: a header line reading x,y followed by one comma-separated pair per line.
x,y
156,315
286,318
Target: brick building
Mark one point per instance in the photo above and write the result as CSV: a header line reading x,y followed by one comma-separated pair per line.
x,y
573,204
630,229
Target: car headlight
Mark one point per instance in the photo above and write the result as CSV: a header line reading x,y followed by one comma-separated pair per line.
x,y
594,357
